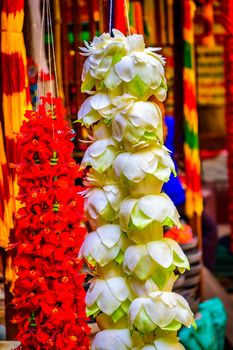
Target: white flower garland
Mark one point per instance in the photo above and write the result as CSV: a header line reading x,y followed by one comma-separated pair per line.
x,y
134,266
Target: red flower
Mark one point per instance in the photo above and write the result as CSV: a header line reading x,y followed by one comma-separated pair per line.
x,y
48,293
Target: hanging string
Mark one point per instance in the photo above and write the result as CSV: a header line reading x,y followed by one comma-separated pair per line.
x,y
49,47
127,16
39,75
110,17
53,54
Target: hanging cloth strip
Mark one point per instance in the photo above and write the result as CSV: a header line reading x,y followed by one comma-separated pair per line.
x,y
119,15
149,13
15,98
228,45
194,204
57,37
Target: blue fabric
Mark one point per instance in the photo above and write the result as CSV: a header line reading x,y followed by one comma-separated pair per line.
x,y
210,332
173,187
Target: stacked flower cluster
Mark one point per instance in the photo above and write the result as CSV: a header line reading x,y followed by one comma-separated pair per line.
x,y
135,267
48,293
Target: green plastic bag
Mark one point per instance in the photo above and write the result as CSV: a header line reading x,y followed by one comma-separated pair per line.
x,y
211,325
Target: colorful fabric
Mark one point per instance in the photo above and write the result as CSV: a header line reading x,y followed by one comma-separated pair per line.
x,y
119,15
136,17
149,14
211,326
194,202
228,21
14,100
173,188
6,220
208,21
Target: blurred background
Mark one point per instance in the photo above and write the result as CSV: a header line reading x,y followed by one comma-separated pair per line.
x,y
196,38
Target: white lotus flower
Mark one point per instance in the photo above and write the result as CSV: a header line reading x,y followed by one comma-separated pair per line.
x,y
160,281
102,53
139,213
168,341
153,160
165,310
114,339
143,72
111,296
104,245
94,108
142,260
112,61
143,120
122,339
102,204
95,179
100,155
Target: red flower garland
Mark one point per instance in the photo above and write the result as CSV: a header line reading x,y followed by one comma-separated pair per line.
x,y
48,293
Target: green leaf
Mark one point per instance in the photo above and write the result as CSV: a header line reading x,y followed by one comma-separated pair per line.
x,y
125,305
168,222
92,310
137,87
139,219
160,277
143,322
88,83
117,57
173,326
120,257
117,314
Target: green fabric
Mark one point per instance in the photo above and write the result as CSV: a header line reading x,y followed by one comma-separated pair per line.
x,y
210,332
190,136
187,54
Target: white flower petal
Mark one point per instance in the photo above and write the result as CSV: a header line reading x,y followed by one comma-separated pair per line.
x,y
168,342
159,313
107,302
134,309
94,291
114,339
119,288
160,252
125,212
133,255
112,80
118,127
109,234
125,69
99,101
85,108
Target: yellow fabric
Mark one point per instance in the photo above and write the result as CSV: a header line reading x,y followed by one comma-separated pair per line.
x,y
6,223
14,107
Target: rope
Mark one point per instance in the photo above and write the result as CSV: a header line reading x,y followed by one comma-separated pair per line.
x,y
53,54
127,16
40,59
49,47
110,17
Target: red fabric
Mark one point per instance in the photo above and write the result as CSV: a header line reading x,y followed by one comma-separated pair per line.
x,y
119,16
11,6
138,17
14,73
48,293
228,58
194,180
